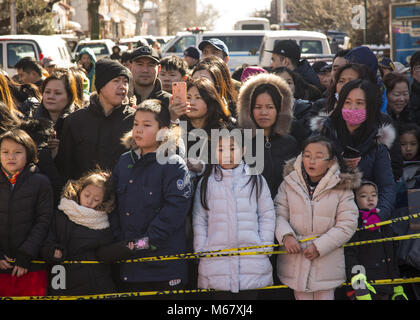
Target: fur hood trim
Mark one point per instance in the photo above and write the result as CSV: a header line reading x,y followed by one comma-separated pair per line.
x,y
284,117
349,180
386,134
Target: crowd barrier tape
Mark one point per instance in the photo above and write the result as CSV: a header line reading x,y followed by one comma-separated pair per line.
x,y
192,291
225,252
232,254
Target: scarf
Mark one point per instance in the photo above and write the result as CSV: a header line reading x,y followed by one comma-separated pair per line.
x,y
90,218
311,186
11,177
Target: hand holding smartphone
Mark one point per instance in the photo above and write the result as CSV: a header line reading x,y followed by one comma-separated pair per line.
x,y
179,91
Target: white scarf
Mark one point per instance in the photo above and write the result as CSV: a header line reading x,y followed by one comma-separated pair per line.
x,y
90,218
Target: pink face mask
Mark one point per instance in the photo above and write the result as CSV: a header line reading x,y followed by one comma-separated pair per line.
x,y
353,117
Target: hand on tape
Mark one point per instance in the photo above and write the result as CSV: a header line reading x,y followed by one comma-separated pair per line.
x,y
362,287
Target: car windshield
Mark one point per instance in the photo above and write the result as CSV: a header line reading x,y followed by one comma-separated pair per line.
x,y
97,48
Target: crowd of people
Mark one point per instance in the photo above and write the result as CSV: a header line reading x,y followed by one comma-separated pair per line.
x,y
81,177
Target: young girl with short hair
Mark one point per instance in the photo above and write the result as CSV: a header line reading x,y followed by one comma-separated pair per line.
x,y
81,231
154,197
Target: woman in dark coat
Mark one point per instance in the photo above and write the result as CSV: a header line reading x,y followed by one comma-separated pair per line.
x,y
367,135
274,116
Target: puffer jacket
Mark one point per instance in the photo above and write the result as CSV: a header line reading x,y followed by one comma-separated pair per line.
x,y
279,146
25,216
331,215
235,219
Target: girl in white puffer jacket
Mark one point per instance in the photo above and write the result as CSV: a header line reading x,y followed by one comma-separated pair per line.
x,y
233,209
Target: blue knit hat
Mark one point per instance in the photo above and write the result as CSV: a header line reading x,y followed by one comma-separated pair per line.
x,y
363,55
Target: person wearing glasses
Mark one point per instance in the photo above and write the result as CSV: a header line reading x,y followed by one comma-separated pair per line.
x,y
315,200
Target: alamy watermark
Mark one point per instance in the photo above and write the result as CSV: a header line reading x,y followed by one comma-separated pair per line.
x,y
200,149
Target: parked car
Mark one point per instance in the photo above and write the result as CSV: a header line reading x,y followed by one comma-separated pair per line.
x,y
15,47
312,44
243,45
101,48
133,42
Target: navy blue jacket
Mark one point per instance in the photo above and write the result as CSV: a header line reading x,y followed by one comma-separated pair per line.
x,y
153,201
375,164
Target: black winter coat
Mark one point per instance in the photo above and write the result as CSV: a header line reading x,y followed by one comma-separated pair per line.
x,y
277,150
25,216
78,242
415,101
308,74
90,138
379,260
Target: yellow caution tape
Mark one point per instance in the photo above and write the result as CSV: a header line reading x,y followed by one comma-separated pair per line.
x,y
220,252
167,292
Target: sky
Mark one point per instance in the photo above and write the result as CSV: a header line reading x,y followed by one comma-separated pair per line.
x,y
232,10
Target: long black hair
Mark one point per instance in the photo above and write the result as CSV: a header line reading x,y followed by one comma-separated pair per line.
x,y
255,180
363,73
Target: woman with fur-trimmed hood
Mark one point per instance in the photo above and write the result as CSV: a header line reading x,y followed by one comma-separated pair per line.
x,y
265,102
356,123
315,200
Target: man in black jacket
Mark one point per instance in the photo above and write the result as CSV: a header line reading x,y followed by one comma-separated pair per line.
x,y
286,53
145,67
91,136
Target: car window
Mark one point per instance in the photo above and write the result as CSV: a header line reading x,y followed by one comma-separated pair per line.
x,y
1,55
241,43
311,46
182,44
17,51
97,48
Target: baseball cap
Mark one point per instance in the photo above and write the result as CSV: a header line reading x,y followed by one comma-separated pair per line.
x,y
48,62
287,48
217,43
192,52
145,51
318,66
386,63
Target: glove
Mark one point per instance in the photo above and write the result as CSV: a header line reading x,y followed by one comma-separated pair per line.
x,y
362,293
369,218
399,294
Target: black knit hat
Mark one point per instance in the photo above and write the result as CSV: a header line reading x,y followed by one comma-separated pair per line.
x,y
106,70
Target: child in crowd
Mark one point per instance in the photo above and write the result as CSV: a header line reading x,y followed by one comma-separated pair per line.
x,y
233,209
173,69
154,197
315,200
378,260
409,141
26,209
81,231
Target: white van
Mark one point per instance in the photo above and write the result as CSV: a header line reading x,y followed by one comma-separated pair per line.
x,y
243,45
15,47
312,44
252,23
101,48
